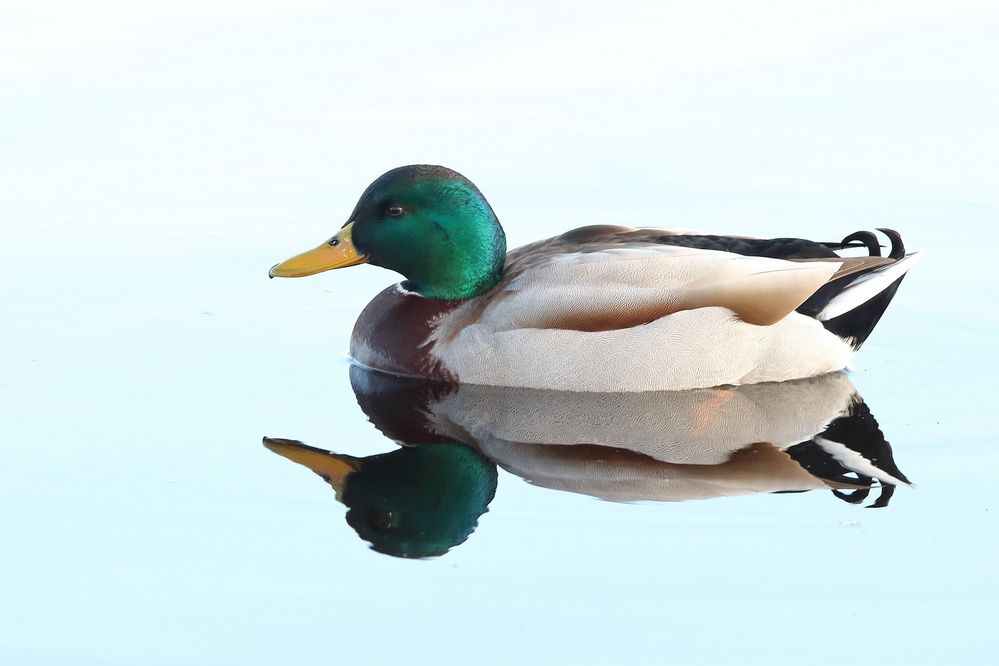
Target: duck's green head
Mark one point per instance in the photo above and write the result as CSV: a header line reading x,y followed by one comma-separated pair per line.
x,y
413,502
429,223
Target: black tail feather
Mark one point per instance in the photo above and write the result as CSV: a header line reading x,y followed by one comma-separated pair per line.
x,y
869,240
857,430
857,324
897,246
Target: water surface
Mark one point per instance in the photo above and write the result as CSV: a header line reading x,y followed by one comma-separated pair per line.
x,y
154,166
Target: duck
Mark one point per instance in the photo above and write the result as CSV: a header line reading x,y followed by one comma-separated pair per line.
x,y
600,308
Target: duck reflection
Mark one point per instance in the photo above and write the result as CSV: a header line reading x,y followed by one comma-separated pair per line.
x,y
427,497
414,502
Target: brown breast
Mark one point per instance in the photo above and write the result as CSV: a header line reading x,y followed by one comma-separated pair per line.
x,y
393,334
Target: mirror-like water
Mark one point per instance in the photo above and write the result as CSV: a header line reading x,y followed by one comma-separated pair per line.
x,y
155,161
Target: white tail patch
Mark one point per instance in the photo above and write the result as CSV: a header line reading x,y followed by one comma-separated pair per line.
x,y
867,287
855,462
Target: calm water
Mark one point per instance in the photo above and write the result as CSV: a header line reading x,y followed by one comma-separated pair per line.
x,y
155,166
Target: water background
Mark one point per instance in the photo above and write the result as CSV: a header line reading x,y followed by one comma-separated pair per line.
x,y
155,161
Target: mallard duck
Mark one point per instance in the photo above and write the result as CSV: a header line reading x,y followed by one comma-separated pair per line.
x,y
599,308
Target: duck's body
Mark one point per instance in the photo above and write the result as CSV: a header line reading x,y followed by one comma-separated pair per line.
x,y
605,308
613,309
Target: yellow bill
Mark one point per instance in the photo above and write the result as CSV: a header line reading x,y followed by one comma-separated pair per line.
x,y
333,467
337,252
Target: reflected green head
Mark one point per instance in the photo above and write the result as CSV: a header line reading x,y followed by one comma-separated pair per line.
x,y
419,501
432,225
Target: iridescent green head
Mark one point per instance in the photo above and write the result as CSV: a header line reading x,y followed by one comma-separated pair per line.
x,y
429,223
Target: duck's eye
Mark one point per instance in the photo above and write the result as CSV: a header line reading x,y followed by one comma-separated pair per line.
x,y
395,211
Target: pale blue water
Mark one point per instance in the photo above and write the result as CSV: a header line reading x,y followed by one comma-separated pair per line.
x,y
155,163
